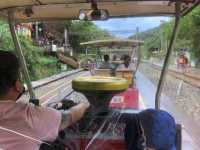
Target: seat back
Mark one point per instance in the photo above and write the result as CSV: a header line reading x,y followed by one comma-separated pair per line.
x,y
102,72
127,74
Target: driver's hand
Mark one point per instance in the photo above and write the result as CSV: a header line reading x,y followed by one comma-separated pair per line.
x,y
86,103
58,105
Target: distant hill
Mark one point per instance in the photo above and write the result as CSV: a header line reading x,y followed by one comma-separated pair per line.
x,y
188,37
146,34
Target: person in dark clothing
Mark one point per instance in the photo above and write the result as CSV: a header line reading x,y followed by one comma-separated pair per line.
x,y
106,64
127,64
151,129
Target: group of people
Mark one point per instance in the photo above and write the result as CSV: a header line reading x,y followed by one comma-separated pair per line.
x,y
125,65
24,126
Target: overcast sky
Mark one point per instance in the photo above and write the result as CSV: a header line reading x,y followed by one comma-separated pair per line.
x,y
125,27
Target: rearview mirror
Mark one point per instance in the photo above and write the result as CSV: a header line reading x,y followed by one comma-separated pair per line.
x,y
90,14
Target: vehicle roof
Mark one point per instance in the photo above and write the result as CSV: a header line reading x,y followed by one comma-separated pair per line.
x,y
113,43
69,9
116,50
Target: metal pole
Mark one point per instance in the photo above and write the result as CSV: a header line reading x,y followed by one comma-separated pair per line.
x,y
137,33
138,50
20,54
36,32
161,40
66,37
167,58
65,45
86,52
138,57
71,52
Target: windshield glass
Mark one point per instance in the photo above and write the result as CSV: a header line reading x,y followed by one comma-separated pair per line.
x,y
55,56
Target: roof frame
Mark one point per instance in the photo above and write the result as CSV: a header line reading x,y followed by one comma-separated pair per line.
x,y
112,43
69,9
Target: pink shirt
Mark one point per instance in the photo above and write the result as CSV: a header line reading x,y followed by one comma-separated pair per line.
x,y
36,122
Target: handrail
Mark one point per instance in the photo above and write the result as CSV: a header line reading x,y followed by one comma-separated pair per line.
x,y
167,58
20,53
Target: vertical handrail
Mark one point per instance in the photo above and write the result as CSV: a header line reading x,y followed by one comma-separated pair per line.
x,y
167,58
20,53
138,49
139,57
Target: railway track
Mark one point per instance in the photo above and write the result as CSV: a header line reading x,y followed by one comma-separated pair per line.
x,y
55,88
190,132
185,100
187,77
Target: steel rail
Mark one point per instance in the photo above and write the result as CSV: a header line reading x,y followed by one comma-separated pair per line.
x,y
64,82
64,90
186,77
54,78
45,82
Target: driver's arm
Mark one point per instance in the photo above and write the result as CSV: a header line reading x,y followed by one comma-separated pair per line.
x,y
72,115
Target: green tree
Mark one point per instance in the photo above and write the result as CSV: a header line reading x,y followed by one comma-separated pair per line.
x,y
78,31
188,37
82,31
39,65
194,31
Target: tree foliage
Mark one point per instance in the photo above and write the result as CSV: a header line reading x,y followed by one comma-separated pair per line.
x,y
83,31
194,32
188,37
39,66
78,31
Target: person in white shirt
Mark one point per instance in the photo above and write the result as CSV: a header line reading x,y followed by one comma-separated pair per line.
x,y
127,64
24,126
106,64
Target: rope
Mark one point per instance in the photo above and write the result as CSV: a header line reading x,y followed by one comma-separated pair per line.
x,y
22,135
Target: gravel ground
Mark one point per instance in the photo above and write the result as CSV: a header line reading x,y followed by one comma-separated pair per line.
x,y
185,96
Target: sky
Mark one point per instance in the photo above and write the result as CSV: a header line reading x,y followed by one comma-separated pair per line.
x,y
125,27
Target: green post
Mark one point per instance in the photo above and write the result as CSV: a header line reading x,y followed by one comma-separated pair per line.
x,y
20,53
167,58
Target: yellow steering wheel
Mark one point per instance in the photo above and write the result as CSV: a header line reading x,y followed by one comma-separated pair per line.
x,y
99,83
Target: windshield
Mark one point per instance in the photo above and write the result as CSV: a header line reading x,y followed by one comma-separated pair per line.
x,y
55,56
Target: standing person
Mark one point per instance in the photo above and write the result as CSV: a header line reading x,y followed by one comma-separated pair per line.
x,y
21,123
186,63
182,62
